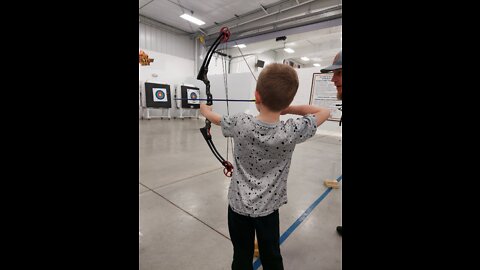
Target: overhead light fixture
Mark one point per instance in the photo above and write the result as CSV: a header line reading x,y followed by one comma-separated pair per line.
x,y
241,46
316,64
305,58
288,50
192,19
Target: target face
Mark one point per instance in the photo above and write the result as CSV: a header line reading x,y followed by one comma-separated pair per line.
x,y
193,95
159,95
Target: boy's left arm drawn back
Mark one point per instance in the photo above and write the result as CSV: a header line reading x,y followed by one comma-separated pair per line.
x,y
302,128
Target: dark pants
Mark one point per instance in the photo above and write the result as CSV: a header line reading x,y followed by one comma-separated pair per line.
x,y
242,232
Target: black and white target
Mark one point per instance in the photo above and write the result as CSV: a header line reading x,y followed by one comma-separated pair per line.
x,y
190,97
157,95
193,96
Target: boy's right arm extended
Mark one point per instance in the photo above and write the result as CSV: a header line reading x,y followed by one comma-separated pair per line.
x,y
321,114
212,116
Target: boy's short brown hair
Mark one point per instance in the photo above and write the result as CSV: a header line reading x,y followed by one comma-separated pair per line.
x,y
277,86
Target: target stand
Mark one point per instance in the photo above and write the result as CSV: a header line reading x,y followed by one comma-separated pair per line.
x,y
168,115
158,98
190,103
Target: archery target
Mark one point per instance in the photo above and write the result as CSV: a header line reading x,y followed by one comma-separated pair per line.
x,y
190,97
159,95
193,94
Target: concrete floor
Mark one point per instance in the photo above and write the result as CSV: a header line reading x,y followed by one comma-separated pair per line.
x,y
183,201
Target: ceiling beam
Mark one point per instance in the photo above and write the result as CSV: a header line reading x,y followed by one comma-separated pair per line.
x,y
286,23
263,27
286,32
255,12
264,9
162,26
182,7
146,4
283,9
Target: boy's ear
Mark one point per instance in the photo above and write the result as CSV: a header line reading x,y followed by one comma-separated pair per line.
x,y
258,99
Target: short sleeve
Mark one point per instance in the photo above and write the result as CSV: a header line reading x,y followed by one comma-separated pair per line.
x,y
228,124
302,128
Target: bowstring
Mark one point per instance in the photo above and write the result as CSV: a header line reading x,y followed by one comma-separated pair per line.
x,y
245,61
225,81
226,93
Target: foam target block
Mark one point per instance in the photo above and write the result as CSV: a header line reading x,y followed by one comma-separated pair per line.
x,y
157,95
190,96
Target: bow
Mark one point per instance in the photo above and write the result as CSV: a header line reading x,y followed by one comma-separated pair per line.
x,y
202,76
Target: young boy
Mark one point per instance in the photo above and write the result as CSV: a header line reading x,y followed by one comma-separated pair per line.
x,y
262,155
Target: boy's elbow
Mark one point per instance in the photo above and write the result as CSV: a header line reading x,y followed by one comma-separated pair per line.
x,y
216,119
322,116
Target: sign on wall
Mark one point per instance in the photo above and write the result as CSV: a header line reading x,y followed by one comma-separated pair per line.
x,y
324,94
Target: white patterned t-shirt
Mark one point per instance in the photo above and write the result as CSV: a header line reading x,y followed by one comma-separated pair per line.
x,y
262,156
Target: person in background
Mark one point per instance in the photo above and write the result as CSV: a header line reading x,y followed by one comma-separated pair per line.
x,y
336,68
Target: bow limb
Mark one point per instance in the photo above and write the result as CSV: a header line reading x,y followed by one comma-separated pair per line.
x,y
202,75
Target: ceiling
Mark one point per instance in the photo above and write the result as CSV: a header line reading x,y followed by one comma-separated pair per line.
x,y
248,19
209,11
320,46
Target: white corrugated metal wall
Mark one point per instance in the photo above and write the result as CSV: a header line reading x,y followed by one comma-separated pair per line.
x,y
162,41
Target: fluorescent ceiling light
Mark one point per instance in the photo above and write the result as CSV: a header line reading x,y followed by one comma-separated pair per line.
x,y
192,19
288,50
305,58
241,46
316,64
